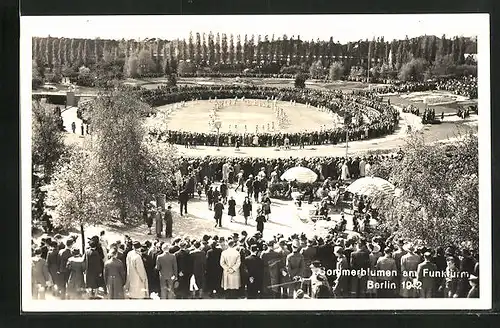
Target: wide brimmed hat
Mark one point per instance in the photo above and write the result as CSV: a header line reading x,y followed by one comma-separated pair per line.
x,y
315,264
473,278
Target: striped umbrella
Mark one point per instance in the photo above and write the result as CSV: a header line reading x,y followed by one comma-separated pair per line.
x,y
371,186
301,174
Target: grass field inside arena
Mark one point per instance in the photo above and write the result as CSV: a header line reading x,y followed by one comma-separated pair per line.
x,y
249,113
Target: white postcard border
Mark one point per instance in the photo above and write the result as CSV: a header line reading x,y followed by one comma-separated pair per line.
x,y
28,29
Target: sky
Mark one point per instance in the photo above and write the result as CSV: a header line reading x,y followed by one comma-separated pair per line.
x,y
342,28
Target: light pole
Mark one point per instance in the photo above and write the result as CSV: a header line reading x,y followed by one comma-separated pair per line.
x,y
218,124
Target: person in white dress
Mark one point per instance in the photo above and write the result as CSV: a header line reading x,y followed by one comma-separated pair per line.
x,y
362,168
368,169
345,171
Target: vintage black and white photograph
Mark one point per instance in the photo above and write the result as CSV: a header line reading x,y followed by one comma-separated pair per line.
x,y
277,162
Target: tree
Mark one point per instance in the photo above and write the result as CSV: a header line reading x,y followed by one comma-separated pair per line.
x,y
300,80
316,70
258,50
159,167
231,49
172,80
204,50
190,47
131,66
198,52
185,68
239,54
116,116
145,65
47,141
36,77
439,202
211,48
85,53
336,71
443,66
413,70
223,49
217,49
78,193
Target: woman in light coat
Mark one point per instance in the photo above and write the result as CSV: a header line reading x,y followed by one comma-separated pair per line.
x,y
230,261
137,279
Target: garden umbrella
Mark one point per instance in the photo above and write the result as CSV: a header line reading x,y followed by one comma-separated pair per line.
x,y
371,186
300,174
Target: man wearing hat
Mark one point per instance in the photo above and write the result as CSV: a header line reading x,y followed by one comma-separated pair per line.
x,y
387,280
309,254
249,185
93,266
409,265
137,279
114,276
317,283
295,266
272,270
53,262
185,270
341,287
397,255
426,272
218,210
40,276
360,260
199,260
64,255
166,264
474,291
159,221
255,270
183,201
168,222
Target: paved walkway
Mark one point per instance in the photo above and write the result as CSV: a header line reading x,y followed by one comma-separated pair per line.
x,y
285,218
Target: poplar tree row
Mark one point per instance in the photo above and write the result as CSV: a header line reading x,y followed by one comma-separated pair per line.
x,y
250,51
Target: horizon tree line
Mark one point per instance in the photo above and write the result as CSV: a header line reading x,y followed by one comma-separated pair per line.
x,y
65,56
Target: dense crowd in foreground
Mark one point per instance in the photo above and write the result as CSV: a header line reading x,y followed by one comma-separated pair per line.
x,y
247,266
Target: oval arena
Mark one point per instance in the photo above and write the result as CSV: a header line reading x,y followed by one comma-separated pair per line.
x,y
189,115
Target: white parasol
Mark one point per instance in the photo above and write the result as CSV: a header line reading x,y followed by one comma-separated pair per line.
x,y
300,174
371,186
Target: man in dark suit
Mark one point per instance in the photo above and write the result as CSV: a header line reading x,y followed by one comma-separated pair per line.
x,y
199,260
64,255
53,263
425,274
166,264
255,269
183,200
168,222
272,270
185,269
360,260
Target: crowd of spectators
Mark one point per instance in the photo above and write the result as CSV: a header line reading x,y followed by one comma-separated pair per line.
x,y
246,265
465,86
